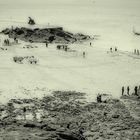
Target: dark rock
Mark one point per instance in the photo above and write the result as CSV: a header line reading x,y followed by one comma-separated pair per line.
x,y
56,34
71,136
115,116
30,125
47,128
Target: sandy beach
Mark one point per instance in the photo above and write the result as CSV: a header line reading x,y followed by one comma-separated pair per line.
x,y
63,66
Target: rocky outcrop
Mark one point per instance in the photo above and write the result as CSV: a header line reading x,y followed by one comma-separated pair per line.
x,y
57,35
66,115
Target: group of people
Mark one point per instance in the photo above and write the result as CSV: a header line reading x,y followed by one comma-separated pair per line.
x,y
7,42
115,49
137,52
29,59
63,47
136,90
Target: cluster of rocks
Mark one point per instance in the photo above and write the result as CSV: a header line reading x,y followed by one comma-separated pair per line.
x,y
66,115
50,35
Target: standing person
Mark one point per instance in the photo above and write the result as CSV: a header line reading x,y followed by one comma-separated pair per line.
x,y
90,44
24,113
15,40
122,90
138,52
66,48
136,90
128,89
84,54
8,42
139,91
4,42
135,51
110,49
116,49
46,44
99,98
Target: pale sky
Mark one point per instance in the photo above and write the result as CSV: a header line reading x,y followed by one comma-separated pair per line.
x,y
72,11
104,3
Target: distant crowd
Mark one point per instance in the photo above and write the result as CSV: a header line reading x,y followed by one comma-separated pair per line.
x,y
8,43
113,49
137,52
127,90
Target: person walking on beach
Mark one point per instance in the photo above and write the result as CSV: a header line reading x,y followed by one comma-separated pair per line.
x,y
116,49
24,113
90,44
8,42
110,49
15,40
139,91
84,54
65,48
135,51
136,90
128,89
46,44
122,90
138,52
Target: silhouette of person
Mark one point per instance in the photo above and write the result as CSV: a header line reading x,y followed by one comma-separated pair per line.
x,y
136,90
128,89
99,98
84,54
122,90
110,49
46,44
138,52
24,113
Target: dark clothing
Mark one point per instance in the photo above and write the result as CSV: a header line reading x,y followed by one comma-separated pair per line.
x,y
128,89
99,98
24,109
138,52
84,54
136,90
122,90
65,48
